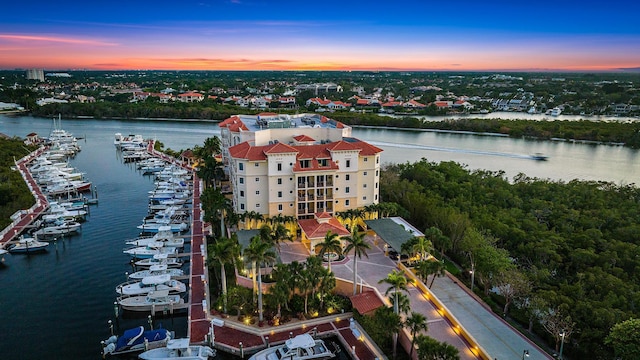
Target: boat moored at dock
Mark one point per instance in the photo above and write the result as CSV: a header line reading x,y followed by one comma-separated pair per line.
x,y
301,347
136,340
179,349
153,302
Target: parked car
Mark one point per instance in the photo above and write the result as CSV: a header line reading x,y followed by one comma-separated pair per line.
x,y
393,255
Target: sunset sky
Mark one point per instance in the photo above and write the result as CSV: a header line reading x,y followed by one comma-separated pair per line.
x,y
320,35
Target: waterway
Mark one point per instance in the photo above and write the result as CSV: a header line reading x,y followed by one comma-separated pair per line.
x,y
56,305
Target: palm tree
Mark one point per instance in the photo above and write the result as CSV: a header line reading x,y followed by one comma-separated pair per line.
x,y
279,295
330,245
404,304
259,252
438,270
280,233
397,283
429,348
423,246
433,267
306,284
212,146
438,239
285,279
224,251
249,255
356,243
214,204
416,324
326,283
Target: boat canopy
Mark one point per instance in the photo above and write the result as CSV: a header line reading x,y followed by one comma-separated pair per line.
x,y
158,294
300,341
156,279
158,267
178,344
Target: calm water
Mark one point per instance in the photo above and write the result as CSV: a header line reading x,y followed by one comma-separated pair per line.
x,y
56,305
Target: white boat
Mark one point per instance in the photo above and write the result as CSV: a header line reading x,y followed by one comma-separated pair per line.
x,y
153,228
28,245
129,142
150,250
57,211
301,347
179,349
159,259
164,235
154,301
134,340
58,228
158,269
151,283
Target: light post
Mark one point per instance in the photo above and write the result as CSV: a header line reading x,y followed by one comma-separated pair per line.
x,y
562,335
525,354
473,273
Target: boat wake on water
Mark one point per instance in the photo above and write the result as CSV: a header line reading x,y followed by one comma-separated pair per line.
x,y
452,150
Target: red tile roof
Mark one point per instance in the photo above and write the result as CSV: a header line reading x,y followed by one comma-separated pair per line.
x,y
267,114
303,138
279,148
304,152
323,215
191,93
366,302
342,146
228,121
313,229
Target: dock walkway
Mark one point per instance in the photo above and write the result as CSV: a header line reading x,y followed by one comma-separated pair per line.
x,y
27,217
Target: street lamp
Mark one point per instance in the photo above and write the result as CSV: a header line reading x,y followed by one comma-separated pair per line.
x,y
525,354
562,334
473,273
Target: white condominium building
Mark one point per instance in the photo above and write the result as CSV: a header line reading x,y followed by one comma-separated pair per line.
x,y
298,165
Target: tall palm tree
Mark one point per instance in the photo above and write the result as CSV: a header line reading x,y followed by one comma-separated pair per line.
x,y
212,145
225,251
397,283
214,204
249,256
356,243
416,323
404,304
279,295
331,244
259,252
284,276
306,284
326,283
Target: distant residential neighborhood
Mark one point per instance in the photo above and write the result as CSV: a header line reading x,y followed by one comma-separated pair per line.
x,y
420,93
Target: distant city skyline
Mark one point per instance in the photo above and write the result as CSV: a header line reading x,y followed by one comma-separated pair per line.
x,y
407,35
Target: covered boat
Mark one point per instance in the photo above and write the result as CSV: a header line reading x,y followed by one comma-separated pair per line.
x,y
136,339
